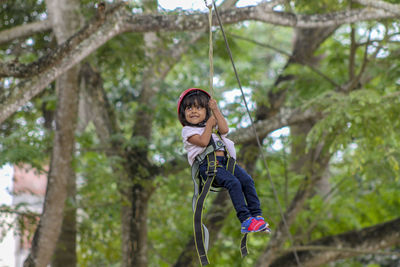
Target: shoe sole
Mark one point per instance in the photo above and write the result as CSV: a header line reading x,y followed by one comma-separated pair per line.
x,y
265,228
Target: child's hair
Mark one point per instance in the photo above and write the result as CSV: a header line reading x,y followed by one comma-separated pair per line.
x,y
194,98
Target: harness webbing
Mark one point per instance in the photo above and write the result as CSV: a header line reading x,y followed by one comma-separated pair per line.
x,y
201,190
198,212
243,246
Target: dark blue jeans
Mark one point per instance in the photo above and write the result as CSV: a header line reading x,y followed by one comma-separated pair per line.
x,y
240,186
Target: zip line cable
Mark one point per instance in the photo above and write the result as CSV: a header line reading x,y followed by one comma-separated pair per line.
x,y
251,121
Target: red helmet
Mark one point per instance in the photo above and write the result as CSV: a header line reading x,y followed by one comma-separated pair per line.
x,y
185,93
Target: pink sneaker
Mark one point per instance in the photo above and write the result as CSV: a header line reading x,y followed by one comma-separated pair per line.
x,y
266,229
253,225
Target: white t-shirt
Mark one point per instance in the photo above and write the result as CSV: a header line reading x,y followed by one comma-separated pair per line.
x,y
193,150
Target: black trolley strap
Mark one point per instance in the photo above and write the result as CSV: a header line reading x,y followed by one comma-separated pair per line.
x,y
243,246
201,235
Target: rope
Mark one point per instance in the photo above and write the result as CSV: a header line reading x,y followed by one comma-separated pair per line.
x,y
256,135
210,50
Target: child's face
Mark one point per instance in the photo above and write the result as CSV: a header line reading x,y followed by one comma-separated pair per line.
x,y
195,114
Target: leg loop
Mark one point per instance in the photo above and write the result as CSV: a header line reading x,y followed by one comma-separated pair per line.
x,y
200,231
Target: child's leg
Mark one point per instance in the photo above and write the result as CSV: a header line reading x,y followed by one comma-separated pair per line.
x,y
249,191
232,184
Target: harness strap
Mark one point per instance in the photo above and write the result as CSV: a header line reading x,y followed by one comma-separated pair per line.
x,y
201,234
230,165
200,231
243,246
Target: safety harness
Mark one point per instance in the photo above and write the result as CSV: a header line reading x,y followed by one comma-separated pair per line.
x,y
202,186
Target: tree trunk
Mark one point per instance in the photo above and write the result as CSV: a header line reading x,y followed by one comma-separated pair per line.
x,y
139,168
95,107
140,173
138,231
65,253
65,19
47,233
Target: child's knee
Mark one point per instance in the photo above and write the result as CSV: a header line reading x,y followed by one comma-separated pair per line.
x,y
247,181
233,183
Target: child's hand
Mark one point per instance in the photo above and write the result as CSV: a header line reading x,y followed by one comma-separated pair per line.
x,y
212,103
212,121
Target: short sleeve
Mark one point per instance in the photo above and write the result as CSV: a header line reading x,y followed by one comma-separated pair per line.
x,y
187,132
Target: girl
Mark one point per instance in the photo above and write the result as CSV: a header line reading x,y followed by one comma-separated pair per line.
x,y
199,114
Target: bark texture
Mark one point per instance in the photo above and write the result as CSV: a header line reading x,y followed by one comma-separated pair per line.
x,y
24,31
392,8
49,228
139,167
349,244
65,253
61,174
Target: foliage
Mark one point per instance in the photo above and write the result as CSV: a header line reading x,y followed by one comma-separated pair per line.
x,y
168,229
24,140
360,128
347,116
315,6
99,208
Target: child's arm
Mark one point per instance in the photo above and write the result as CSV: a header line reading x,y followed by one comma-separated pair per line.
x,y
222,124
204,139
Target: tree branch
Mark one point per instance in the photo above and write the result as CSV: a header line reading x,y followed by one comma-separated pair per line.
x,y
369,239
281,119
280,51
306,63
392,8
94,106
245,135
351,250
355,81
24,30
119,20
263,13
198,20
65,57
19,70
